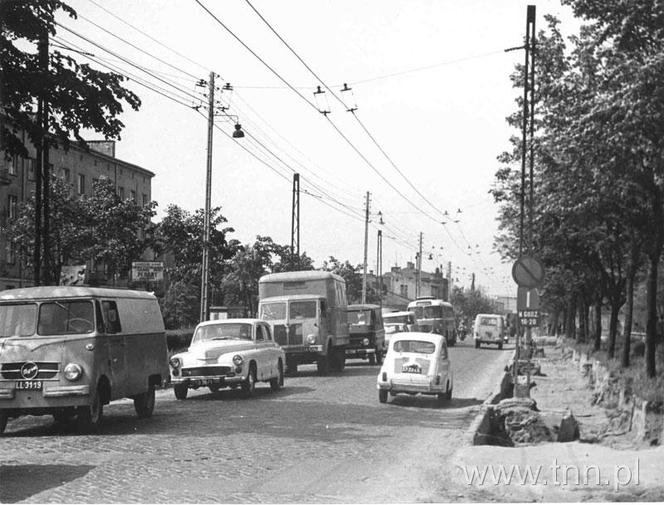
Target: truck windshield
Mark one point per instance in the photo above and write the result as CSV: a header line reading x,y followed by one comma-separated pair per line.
x,y
62,318
18,320
223,331
271,311
302,310
359,317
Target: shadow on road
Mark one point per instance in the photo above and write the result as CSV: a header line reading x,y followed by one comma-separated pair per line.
x,y
431,402
18,482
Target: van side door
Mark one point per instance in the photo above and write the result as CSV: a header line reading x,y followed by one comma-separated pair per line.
x,y
116,348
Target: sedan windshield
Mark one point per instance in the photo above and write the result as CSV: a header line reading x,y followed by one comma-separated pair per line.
x,y
18,320
222,331
414,346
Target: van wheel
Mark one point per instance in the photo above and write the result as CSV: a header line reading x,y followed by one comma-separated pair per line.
x,y
379,356
249,384
180,391
89,417
144,403
382,395
3,422
278,381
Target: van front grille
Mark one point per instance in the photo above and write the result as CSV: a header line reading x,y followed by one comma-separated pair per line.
x,y
46,370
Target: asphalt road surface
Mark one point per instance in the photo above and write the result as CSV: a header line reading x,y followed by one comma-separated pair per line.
x,y
320,439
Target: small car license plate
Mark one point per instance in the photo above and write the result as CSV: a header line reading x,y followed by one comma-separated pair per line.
x,y
29,385
410,369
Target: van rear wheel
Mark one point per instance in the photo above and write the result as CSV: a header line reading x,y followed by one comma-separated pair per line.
x,y
144,403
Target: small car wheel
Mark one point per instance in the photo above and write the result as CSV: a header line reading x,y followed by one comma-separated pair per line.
x,y
382,395
144,403
278,381
249,384
180,391
3,422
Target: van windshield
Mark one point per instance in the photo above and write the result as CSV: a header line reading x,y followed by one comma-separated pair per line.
x,y
18,320
271,311
65,318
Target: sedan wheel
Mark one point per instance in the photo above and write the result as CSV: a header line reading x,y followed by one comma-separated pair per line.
x,y
249,384
180,391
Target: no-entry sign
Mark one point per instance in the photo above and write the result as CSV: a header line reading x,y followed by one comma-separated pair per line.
x,y
528,272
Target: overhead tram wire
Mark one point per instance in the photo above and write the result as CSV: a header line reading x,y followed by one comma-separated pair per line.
x,y
291,87
129,62
150,37
196,78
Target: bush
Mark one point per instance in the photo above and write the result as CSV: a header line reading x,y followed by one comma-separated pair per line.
x,y
179,339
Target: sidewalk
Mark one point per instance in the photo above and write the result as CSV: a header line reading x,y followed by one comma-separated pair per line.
x,y
604,465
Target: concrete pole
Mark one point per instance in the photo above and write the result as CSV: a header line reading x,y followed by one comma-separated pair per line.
x,y
208,197
366,245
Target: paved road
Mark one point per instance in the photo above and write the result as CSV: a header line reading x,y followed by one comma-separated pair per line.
x,y
320,439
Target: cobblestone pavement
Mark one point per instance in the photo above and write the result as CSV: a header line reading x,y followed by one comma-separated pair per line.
x,y
320,439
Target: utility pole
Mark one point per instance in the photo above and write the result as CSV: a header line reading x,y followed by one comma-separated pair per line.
x,y
379,265
208,197
418,280
295,220
366,245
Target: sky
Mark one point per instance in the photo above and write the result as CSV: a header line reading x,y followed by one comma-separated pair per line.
x,y
430,82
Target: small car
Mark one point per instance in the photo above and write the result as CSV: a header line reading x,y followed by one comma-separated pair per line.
x,y
416,363
228,353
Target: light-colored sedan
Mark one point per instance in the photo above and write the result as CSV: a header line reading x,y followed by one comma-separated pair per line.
x,y
228,353
416,363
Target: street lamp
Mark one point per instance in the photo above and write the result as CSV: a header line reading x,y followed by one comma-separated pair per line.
x,y
205,263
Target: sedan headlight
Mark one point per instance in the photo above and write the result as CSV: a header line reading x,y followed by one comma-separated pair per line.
x,y
238,360
175,362
73,372
311,339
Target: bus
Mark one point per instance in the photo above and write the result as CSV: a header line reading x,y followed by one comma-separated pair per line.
x,y
434,315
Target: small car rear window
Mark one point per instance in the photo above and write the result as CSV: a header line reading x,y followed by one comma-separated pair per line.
x,y
414,346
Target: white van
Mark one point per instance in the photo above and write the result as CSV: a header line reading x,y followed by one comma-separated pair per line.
x,y
489,329
69,350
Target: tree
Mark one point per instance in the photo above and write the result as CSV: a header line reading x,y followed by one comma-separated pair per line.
x,y
353,277
79,97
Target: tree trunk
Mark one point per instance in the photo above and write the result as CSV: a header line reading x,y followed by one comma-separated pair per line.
x,y
583,320
613,329
598,324
651,325
629,310
570,326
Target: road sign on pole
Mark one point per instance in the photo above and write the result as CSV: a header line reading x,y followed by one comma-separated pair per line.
x,y
528,272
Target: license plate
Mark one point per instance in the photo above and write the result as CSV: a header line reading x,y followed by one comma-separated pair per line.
x,y
410,369
315,348
29,385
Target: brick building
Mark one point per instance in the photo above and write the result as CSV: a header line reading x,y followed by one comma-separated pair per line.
x,y
401,285
78,167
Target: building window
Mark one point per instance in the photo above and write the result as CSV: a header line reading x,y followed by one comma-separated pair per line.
x,y
145,199
11,252
133,195
121,192
32,163
12,207
403,290
11,165
81,184
65,174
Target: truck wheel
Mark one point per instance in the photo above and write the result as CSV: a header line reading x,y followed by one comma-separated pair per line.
x,y
339,354
477,344
144,403
379,356
3,422
180,391
249,384
382,395
372,359
278,381
323,364
291,367
89,417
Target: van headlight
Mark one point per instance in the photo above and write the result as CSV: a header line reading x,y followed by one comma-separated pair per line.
x,y
73,372
238,360
175,362
311,339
